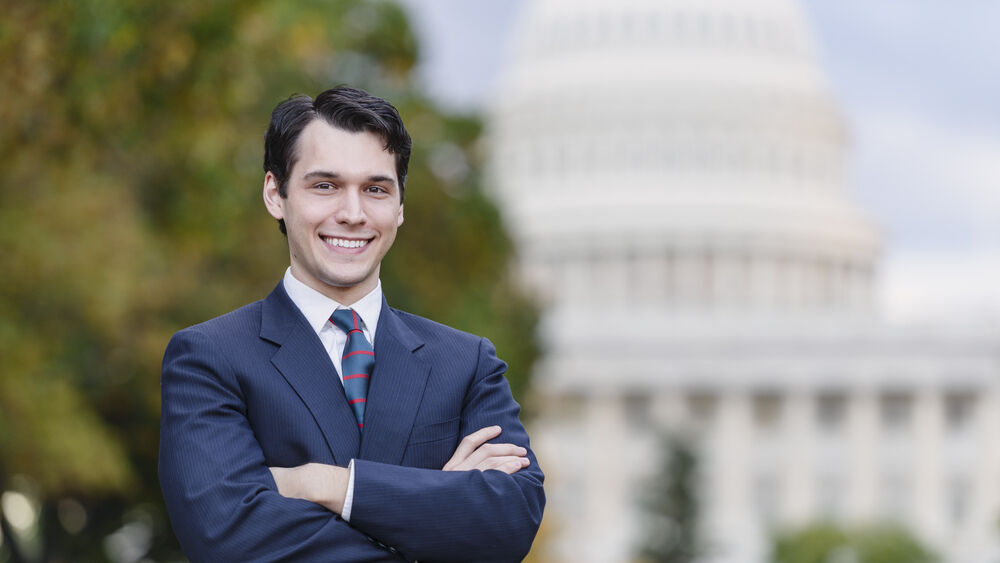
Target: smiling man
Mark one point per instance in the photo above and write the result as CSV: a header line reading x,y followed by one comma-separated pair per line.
x,y
319,424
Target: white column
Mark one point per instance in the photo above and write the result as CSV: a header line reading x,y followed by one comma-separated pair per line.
x,y
761,282
930,510
611,274
576,272
798,497
606,487
985,505
863,431
670,278
731,516
725,280
553,437
793,273
650,278
687,279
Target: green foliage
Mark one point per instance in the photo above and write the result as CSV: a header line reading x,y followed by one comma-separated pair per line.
x,y
130,207
815,544
672,506
825,543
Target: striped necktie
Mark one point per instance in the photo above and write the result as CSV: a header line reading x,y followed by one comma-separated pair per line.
x,y
356,363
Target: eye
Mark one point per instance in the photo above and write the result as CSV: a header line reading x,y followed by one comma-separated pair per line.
x,y
324,186
376,189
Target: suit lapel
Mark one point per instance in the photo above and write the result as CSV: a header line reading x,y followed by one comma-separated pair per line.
x,y
306,366
395,391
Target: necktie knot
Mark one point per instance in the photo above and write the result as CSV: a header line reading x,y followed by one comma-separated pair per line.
x,y
346,320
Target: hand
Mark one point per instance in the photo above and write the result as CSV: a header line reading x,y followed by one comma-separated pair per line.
x,y
323,484
474,453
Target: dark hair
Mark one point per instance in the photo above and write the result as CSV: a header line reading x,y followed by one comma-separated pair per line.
x,y
347,108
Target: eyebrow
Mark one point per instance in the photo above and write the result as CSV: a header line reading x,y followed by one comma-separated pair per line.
x,y
327,174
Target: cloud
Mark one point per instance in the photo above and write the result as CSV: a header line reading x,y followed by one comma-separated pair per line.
x,y
931,184
950,287
935,187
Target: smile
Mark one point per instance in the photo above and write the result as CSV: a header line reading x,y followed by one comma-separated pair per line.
x,y
345,242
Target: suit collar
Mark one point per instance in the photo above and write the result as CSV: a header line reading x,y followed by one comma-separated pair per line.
x,y
394,394
278,315
397,329
305,365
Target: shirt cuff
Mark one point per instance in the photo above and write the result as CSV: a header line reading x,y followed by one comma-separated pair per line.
x,y
349,497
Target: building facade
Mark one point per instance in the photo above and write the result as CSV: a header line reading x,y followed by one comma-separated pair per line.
x,y
672,171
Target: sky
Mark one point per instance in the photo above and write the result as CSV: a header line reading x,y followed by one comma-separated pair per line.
x,y
918,82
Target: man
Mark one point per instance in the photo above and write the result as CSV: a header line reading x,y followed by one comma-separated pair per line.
x,y
282,440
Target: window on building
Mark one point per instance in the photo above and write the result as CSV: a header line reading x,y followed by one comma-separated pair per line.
x,y
959,409
767,410
831,411
701,407
638,411
896,411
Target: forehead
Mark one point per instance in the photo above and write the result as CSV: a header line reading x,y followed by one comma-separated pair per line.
x,y
323,145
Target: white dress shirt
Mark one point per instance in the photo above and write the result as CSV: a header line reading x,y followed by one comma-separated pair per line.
x,y
317,309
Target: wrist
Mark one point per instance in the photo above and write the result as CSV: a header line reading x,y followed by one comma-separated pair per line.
x,y
335,480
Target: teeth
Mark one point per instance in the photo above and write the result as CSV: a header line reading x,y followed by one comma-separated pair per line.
x,y
345,243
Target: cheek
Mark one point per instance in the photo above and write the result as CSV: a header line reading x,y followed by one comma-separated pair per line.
x,y
304,219
391,225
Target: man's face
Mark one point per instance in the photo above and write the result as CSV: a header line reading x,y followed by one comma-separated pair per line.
x,y
342,210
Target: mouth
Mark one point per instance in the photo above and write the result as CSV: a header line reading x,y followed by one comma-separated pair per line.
x,y
348,243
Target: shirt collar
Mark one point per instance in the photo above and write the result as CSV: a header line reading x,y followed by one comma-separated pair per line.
x,y
317,307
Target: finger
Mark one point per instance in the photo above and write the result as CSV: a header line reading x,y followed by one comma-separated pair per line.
x,y
513,465
487,451
498,461
473,441
469,444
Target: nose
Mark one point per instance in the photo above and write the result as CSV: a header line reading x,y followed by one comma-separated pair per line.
x,y
351,210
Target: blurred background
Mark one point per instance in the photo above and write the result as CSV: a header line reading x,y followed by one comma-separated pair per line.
x,y
757,244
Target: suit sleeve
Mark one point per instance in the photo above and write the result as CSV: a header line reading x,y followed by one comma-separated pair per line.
x,y
433,515
223,502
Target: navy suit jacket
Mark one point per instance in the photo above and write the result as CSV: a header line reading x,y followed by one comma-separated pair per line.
x,y
255,388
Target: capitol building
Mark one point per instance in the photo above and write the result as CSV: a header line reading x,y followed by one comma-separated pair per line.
x,y
673,174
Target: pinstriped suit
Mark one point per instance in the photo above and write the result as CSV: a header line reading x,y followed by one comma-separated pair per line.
x,y
255,388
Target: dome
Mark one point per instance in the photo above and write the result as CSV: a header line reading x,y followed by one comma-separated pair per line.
x,y
678,154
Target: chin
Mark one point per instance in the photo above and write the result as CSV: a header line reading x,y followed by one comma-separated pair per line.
x,y
345,282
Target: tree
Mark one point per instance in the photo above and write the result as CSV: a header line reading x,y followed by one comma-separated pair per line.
x,y
673,506
130,207
825,543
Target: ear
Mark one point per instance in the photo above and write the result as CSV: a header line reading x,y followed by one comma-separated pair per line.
x,y
399,216
272,199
